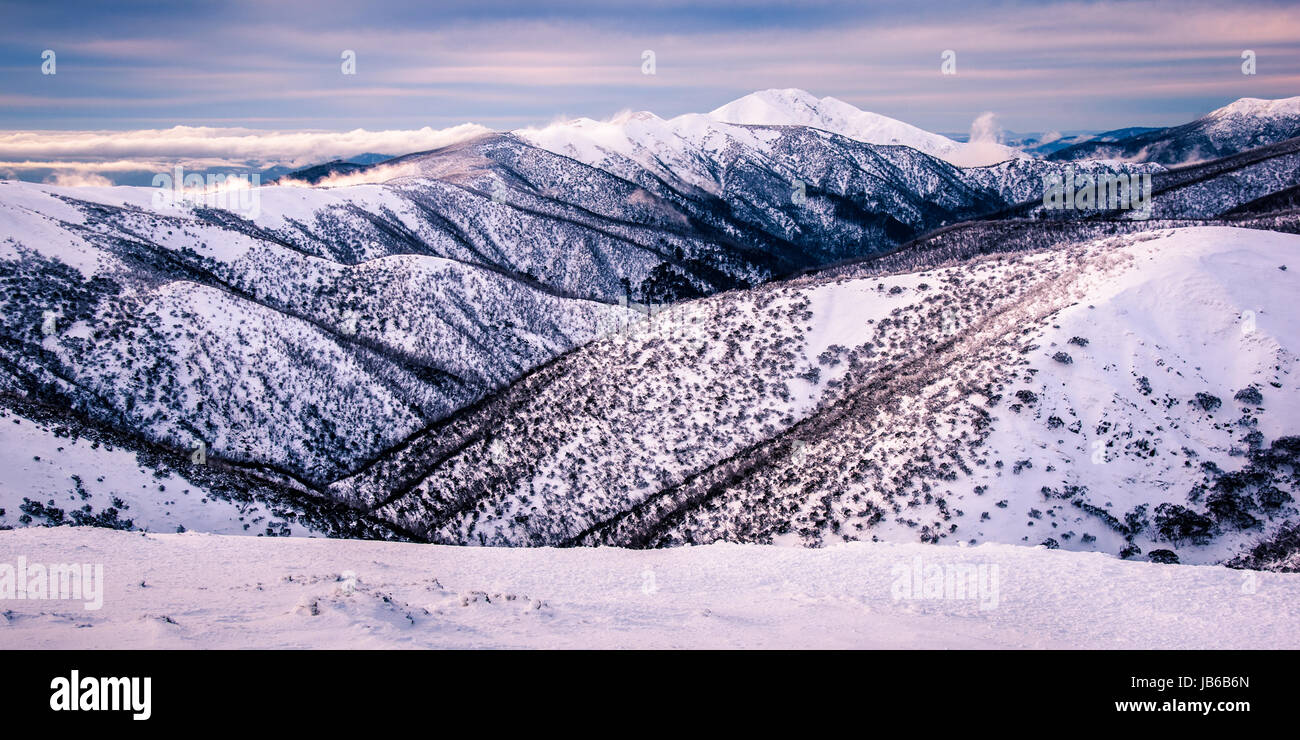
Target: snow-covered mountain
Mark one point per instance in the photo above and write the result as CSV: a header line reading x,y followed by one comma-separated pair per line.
x,y
439,346
1237,127
793,107
272,344
687,147
430,281
417,296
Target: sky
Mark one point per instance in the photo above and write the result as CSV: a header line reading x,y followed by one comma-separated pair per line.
x,y
230,71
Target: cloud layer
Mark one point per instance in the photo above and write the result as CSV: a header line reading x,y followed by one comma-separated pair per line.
x,y
97,157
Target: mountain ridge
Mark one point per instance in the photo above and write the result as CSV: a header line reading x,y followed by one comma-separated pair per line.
x,y
1237,127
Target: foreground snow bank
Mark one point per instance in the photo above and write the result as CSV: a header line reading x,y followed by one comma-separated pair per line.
x,y
212,591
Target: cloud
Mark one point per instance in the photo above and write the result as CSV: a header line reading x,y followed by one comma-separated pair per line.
x,y
292,148
107,155
984,145
370,175
985,129
78,180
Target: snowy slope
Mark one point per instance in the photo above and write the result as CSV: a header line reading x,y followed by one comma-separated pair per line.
x,y
680,149
1199,311
65,468
70,473
207,591
182,327
919,406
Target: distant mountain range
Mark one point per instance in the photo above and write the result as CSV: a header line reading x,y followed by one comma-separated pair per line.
x,y
1243,125
1044,144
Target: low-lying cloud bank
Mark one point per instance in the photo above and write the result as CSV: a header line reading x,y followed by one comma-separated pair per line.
x,y
133,157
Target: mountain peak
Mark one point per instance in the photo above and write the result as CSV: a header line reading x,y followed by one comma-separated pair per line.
x,y
774,106
795,107
1262,107
630,115
789,107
